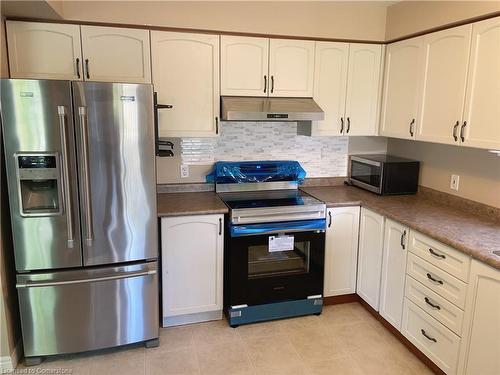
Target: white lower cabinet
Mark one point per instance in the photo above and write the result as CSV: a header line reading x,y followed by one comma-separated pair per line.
x,y
436,341
371,241
341,252
192,268
392,288
480,349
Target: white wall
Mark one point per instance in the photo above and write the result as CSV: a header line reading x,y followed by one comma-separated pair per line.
x,y
409,17
330,19
479,170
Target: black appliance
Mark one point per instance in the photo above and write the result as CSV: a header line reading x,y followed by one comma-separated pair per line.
x,y
384,174
274,242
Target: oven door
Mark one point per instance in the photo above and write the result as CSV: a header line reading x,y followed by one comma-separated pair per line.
x,y
366,174
275,262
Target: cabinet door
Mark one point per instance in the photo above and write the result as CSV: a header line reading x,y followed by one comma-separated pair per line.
x,y
392,288
341,251
371,242
479,352
330,80
112,54
44,50
291,67
403,75
186,76
482,104
244,66
192,264
363,89
446,56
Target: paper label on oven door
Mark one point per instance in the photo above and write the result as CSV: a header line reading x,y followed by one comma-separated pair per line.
x,y
280,243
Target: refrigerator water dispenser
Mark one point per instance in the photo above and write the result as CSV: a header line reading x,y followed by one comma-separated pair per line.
x,y
39,184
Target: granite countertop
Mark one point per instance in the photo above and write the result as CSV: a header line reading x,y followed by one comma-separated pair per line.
x,y
475,234
199,203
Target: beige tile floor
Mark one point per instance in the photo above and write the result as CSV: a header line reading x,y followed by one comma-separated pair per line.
x,y
344,340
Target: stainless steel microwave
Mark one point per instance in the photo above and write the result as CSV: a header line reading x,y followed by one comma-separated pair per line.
x,y
384,174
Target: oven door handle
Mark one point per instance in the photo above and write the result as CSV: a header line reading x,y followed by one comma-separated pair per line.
x,y
273,228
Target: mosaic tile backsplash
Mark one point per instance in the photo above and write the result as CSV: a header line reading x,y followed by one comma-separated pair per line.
x,y
319,156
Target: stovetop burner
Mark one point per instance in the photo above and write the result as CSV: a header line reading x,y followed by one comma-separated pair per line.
x,y
272,198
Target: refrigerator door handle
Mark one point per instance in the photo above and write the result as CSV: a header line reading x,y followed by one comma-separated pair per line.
x,y
61,112
82,113
125,275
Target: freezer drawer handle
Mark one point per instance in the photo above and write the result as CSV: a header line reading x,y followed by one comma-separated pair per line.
x,y
31,284
82,112
61,111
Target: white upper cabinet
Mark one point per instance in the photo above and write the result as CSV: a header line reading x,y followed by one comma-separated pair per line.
x,y
481,126
446,59
403,75
341,251
371,242
291,68
44,50
363,89
330,83
186,76
244,66
113,54
392,288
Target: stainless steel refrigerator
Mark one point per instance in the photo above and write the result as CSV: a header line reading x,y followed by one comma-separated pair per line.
x,y
81,177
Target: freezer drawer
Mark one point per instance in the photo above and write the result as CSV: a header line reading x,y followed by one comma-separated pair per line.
x,y
74,311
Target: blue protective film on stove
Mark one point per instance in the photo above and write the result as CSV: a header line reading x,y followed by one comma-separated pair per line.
x,y
292,226
229,172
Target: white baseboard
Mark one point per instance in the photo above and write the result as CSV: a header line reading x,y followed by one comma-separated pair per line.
x,y
8,364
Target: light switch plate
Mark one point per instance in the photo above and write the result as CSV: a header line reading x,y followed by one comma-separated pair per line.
x,y
184,170
455,179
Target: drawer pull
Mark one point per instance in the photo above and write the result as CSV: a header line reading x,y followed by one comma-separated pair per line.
x,y
436,254
427,301
427,336
429,276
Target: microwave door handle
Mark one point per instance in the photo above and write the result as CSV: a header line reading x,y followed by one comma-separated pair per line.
x,y
82,113
61,112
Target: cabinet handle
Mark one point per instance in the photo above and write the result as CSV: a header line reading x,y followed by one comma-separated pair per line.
x,y
411,127
341,125
427,336
272,84
455,131
430,277
329,219
87,68
427,301
436,254
220,226
265,83
348,125
403,237
462,136
216,125
78,67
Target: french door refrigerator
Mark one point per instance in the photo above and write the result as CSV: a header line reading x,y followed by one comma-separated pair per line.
x,y
81,177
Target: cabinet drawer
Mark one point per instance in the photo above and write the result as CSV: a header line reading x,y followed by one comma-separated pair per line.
x,y
435,305
437,280
448,259
436,341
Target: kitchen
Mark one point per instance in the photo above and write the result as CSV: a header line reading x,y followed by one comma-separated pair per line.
x,y
417,80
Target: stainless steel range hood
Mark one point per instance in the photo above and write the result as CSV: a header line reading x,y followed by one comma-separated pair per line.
x,y
239,108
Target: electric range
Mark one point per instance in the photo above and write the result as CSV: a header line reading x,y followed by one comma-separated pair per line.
x,y
274,242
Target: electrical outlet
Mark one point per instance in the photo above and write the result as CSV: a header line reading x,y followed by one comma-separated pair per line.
x,y
455,179
184,170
